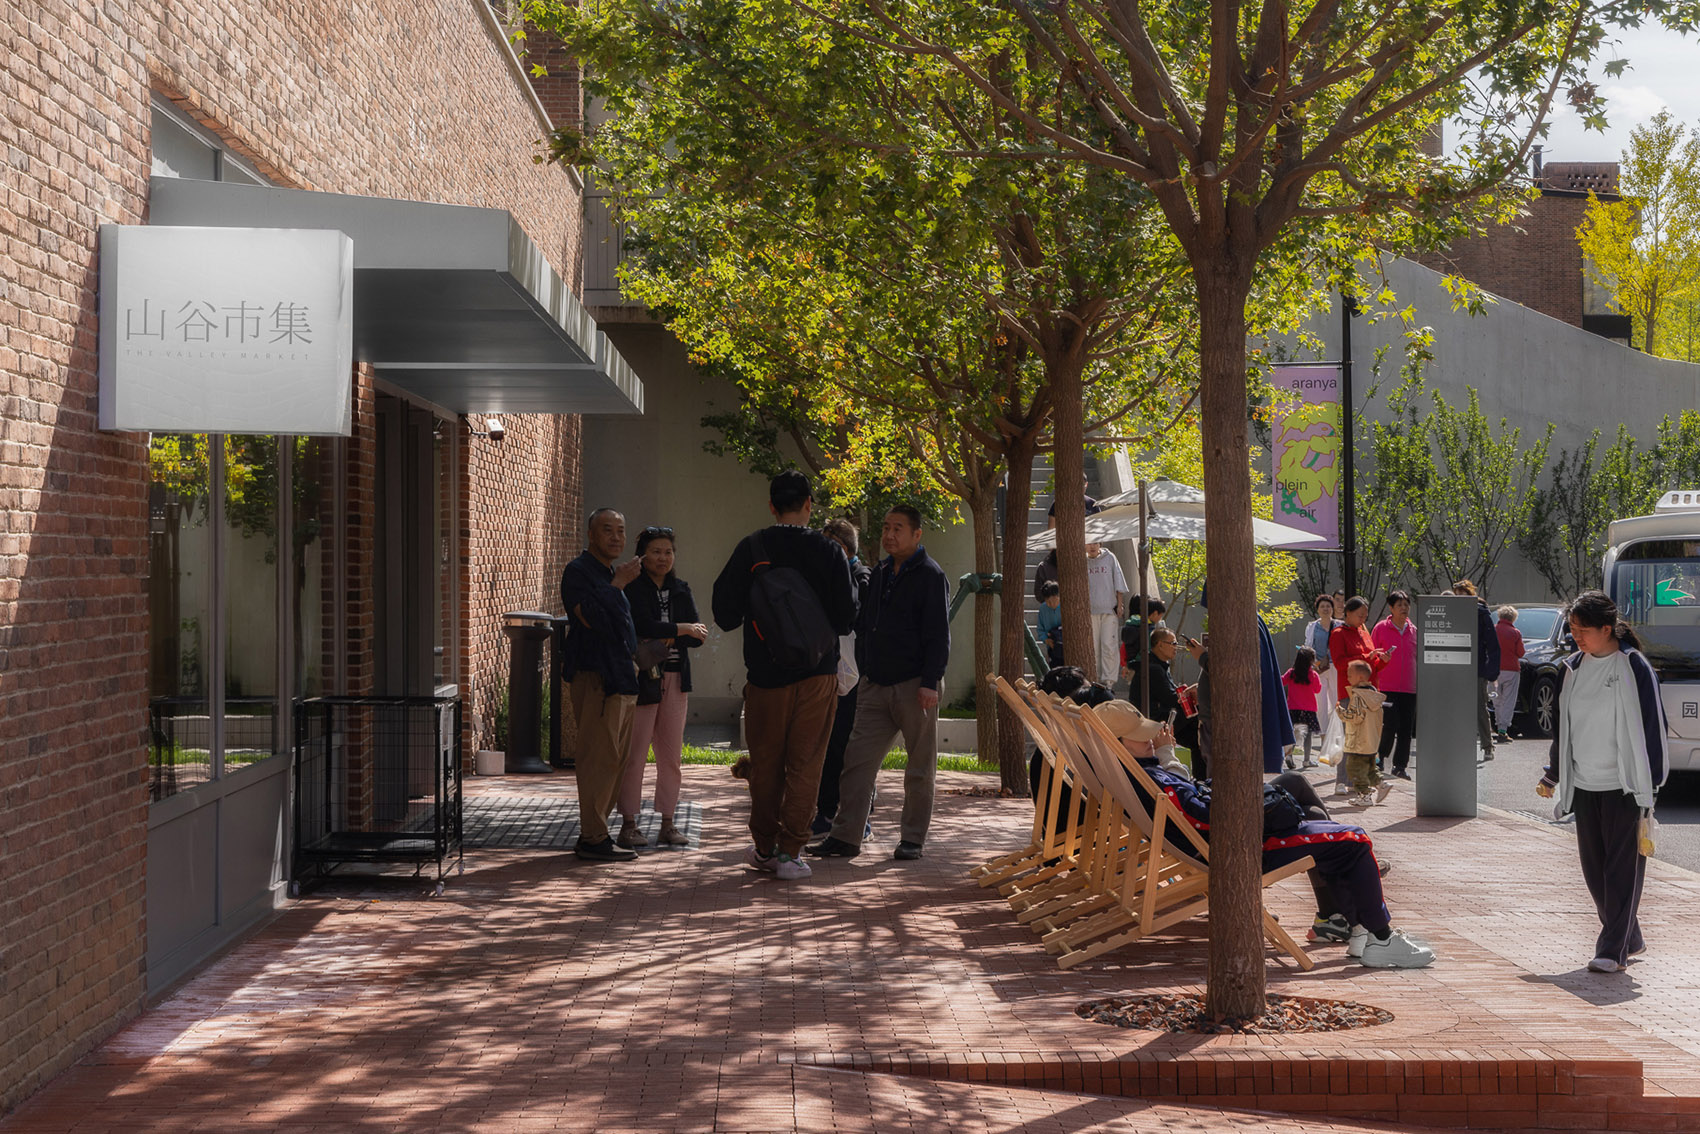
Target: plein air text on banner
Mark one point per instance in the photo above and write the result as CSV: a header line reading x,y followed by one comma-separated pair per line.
x,y
226,330
1305,443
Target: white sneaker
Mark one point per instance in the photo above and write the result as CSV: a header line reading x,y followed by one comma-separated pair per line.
x,y
1362,799
791,869
1355,944
1383,790
1397,952
754,857
1602,965
1342,789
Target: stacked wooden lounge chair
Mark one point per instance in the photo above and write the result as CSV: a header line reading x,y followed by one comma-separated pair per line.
x,y
1101,868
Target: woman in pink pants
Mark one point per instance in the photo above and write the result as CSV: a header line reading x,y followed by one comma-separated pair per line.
x,y
662,610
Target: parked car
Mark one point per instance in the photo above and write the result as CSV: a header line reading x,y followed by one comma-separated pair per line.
x,y
1546,642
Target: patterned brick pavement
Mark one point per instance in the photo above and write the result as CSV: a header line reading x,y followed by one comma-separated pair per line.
x,y
498,821
684,993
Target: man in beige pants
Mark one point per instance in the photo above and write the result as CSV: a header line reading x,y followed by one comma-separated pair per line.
x,y
601,671
902,647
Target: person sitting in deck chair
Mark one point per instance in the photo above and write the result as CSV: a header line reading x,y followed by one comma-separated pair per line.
x,y
1346,879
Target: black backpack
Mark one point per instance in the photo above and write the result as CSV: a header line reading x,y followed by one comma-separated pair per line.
x,y
786,614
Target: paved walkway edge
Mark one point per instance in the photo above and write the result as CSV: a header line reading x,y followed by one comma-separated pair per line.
x,y
1521,1090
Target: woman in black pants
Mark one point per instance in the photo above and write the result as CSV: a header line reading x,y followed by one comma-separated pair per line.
x,y
1607,761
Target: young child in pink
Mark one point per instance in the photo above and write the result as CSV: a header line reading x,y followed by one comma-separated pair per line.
x,y
1303,685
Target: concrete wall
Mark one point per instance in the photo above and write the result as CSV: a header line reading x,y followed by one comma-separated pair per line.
x,y
1529,369
655,471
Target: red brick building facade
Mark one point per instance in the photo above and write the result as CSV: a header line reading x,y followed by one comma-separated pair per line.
x,y
387,99
1537,261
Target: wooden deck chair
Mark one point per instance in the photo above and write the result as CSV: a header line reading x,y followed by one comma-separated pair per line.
x,y
1106,843
1049,839
1075,811
1167,878
1169,883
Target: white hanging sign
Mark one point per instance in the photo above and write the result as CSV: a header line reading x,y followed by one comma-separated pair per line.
x,y
226,330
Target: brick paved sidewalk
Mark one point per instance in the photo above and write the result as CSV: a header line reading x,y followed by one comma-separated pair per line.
x,y
683,992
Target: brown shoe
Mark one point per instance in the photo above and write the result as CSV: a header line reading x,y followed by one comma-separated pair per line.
x,y
671,836
630,836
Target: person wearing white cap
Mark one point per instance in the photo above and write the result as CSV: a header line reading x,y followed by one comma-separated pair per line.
x,y
1346,879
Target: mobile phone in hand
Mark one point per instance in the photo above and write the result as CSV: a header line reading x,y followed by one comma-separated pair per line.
x,y
1170,723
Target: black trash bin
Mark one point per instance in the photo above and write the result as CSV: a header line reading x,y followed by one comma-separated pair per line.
x,y
527,630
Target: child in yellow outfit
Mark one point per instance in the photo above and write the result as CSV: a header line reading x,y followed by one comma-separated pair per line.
x,y
1360,715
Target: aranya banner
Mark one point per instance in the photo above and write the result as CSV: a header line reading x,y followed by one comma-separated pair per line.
x,y
1305,451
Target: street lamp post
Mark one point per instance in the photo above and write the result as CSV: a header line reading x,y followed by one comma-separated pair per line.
x,y
1348,495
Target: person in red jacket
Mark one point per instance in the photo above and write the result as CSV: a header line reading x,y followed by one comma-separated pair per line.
x,y
1511,652
1350,641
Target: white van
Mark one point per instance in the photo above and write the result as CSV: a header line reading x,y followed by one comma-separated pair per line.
x,y
1652,572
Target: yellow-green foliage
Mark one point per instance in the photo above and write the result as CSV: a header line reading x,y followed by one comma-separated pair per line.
x,y
1645,248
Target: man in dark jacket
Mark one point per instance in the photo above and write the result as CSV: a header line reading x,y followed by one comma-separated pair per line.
x,y
902,646
787,711
600,667
1487,665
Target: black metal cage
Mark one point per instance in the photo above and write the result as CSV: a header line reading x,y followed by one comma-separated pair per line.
x,y
377,779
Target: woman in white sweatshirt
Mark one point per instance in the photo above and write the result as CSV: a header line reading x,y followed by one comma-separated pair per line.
x,y
1607,761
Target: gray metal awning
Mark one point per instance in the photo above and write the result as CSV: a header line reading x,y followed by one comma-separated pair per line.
x,y
452,303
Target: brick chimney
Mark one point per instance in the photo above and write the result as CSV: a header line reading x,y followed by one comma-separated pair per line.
x,y
1434,142
1580,177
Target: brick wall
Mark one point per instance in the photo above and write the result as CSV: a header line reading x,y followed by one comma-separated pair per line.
x,y
523,522
73,555
1536,261
390,98
558,88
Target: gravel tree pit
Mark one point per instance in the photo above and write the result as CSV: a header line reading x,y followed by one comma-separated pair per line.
x,y
1185,1012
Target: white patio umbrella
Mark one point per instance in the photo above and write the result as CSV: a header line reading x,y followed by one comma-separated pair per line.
x,y
1163,493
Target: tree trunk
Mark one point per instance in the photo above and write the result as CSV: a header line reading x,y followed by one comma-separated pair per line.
x,y
1236,965
983,507
1069,460
1653,301
1012,654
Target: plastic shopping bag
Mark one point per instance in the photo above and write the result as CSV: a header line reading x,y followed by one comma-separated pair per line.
x,y
1648,834
1333,741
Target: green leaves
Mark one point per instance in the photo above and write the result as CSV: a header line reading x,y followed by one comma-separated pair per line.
x,y
1446,493
1588,489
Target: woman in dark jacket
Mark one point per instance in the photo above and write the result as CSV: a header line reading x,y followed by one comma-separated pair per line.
x,y
664,612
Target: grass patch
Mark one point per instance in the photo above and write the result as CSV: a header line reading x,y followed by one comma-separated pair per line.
x,y
694,754
162,755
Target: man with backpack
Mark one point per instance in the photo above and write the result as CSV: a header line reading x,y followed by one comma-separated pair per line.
x,y
902,646
789,589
